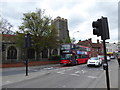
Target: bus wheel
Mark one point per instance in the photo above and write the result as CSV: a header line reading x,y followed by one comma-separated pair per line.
x,y
77,62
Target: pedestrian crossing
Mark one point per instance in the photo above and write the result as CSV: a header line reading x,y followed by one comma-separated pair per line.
x,y
79,71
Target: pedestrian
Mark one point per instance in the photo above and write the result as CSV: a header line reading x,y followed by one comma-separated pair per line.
x,y
118,58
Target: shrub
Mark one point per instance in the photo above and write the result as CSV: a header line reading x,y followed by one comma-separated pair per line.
x,y
54,57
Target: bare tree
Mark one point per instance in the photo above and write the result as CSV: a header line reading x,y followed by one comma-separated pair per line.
x,y
5,26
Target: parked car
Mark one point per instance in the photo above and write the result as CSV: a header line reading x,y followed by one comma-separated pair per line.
x,y
101,57
112,57
94,61
108,58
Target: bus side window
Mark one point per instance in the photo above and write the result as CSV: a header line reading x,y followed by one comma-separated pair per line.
x,y
75,56
82,56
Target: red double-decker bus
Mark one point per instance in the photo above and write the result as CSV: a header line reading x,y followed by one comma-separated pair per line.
x,y
72,54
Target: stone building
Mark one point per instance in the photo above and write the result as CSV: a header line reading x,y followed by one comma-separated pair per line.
x,y
62,26
12,54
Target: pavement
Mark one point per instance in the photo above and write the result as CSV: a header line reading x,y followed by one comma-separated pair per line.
x,y
119,78
21,77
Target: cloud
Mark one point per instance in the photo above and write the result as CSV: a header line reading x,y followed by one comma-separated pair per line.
x,y
107,9
13,11
80,14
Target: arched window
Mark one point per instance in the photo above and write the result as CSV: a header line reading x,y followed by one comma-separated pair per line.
x,y
45,53
12,53
55,52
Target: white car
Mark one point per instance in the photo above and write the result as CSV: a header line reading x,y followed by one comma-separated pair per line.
x,y
112,57
108,58
94,61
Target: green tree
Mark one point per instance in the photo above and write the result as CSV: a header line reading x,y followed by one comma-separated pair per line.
x,y
73,40
44,35
67,40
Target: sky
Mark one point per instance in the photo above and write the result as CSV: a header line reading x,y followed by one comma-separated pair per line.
x,y
79,13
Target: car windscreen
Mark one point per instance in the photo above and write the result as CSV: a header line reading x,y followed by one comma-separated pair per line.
x,y
94,58
100,56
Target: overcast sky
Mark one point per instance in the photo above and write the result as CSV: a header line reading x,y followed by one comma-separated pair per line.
x,y
80,14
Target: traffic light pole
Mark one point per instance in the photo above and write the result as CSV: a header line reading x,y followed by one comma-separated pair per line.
x,y
27,44
100,28
105,66
26,62
26,67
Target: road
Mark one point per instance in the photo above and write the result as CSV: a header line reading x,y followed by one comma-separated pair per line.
x,y
79,76
21,70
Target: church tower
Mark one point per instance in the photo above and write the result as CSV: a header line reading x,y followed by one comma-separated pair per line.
x,y
62,27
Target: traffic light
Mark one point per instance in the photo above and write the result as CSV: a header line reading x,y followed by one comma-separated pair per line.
x,y
100,28
27,41
97,27
106,28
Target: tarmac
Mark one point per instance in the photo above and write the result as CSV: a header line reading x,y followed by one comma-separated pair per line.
x,y
21,77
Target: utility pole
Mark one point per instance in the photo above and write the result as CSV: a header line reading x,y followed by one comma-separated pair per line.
x,y
100,28
105,66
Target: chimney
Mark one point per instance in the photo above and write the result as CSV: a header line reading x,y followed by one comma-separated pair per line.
x,y
90,40
97,40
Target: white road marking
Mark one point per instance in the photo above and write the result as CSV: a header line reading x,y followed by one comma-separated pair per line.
x,y
83,71
77,72
92,77
69,69
49,68
61,72
74,74
35,70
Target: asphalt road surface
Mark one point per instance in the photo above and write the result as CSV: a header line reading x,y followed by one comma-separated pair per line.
x,y
79,76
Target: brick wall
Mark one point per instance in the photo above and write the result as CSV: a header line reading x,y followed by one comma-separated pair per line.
x,y
33,63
